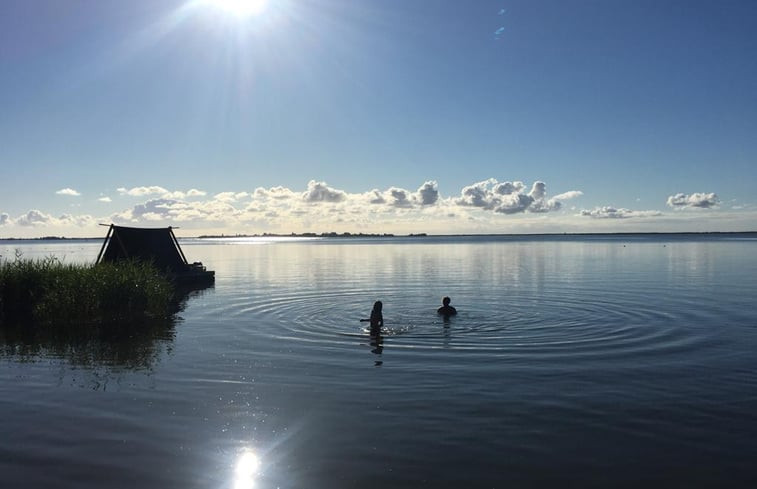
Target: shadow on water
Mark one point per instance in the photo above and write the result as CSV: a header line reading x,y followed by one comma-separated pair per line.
x,y
130,345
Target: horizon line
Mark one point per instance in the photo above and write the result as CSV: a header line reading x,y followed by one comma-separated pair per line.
x,y
394,235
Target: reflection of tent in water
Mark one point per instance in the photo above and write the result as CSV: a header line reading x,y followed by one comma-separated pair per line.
x,y
157,245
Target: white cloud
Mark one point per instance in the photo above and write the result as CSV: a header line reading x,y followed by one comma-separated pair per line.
x,y
507,188
478,194
608,212
320,192
278,193
180,195
105,199
698,200
172,210
375,197
399,197
160,191
321,208
508,197
68,191
513,203
74,220
230,196
538,191
428,193
142,191
571,194
34,218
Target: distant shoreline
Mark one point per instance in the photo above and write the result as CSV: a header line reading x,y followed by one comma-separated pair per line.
x,y
333,235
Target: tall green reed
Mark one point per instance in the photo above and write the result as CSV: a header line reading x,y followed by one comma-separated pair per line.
x,y
48,291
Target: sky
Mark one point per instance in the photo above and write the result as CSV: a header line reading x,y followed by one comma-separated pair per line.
x,y
377,116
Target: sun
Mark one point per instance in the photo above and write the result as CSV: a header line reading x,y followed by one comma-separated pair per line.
x,y
240,9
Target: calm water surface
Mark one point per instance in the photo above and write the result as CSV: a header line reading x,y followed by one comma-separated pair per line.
x,y
573,362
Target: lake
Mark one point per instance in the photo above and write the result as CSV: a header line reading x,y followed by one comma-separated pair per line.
x,y
574,361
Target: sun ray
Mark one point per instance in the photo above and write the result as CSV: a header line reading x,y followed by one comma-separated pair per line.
x,y
241,9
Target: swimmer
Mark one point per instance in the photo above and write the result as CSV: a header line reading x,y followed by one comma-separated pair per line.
x,y
446,310
377,318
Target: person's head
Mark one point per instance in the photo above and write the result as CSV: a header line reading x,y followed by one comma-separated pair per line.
x,y
377,306
446,301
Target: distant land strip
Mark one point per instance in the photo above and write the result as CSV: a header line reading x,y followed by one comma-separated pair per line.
x,y
411,235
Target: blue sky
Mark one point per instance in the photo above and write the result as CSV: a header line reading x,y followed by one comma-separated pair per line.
x,y
378,116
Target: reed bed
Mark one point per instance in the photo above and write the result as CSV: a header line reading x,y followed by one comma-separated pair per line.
x,y
49,292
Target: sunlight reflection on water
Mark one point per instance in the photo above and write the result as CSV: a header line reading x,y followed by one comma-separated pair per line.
x,y
246,470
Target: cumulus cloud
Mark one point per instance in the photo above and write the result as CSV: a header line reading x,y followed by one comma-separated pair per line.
x,y
160,191
395,197
159,207
513,203
34,218
68,191
230,196
72,220
478,194
699,200
37,218
320,192
509,197
142,191
318,205
153,210
428,193
277,193
608,212
171,210
375,197
399,197
5,219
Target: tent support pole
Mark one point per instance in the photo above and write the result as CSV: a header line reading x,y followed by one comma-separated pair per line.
x,y
102,248
176,242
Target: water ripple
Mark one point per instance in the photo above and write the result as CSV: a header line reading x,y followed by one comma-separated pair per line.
x,y
586,322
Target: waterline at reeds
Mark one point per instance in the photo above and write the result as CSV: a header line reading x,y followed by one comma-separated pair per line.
x,y
54,294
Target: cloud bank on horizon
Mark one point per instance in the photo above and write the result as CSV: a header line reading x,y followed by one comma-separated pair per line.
x,y
487,206
609,212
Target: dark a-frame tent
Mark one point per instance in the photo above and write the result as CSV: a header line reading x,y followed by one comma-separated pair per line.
x,y
156,245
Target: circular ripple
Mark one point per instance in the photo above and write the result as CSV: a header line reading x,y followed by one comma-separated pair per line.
x,y
584,322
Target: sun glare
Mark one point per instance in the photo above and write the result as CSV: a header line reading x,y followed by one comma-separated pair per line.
x,y
246,470
240,9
